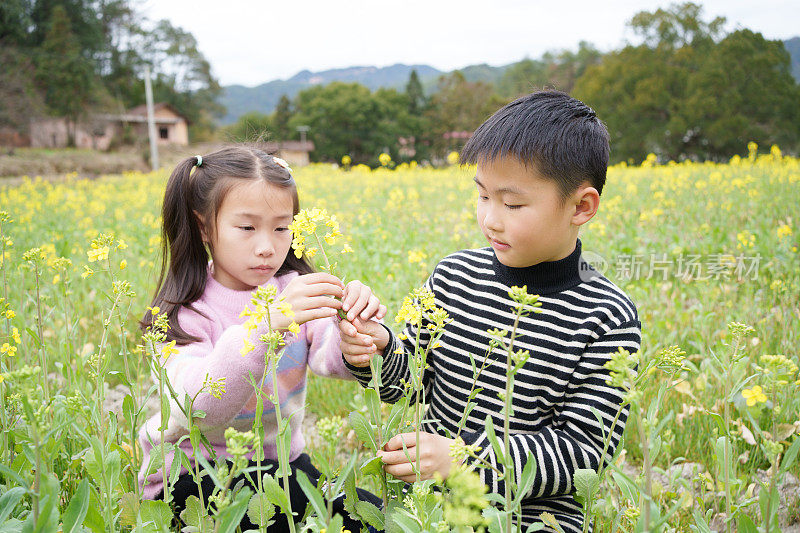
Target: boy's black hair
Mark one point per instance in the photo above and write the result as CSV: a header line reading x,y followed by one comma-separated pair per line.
x,y
556,134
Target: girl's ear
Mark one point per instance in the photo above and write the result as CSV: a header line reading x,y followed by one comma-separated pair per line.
x,y
202,226
587,200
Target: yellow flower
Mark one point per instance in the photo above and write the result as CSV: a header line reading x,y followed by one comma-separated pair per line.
x,y
754,396
15,335
784,231
452,158
121,245
346,160
285,309
9,350
154,310
247,347
384,159
294,327
86,272
98,254
168,349
10,314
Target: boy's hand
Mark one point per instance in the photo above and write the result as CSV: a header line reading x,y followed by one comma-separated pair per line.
x,y
361,340
358,301
434,454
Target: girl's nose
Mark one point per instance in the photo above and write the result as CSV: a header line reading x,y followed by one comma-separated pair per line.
x,y
265,248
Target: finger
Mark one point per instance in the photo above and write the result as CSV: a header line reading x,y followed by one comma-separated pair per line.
x,y
357,360
399,456
347,329
359,305
358,349
403,471
321,277
396,442
351,292
381,312
372,307
313,314
316,302
322,289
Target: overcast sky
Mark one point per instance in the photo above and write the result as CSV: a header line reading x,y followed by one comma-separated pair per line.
x,y
250,42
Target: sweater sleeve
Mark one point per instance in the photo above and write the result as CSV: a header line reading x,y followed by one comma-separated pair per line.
x,y
324,354
187,370
575,440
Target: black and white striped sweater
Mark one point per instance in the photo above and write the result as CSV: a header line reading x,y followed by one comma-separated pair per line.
x,y
584,318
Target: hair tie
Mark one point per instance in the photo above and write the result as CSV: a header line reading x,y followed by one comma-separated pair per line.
x,y
199,160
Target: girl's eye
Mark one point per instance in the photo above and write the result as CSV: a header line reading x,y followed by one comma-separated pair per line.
x,y
513,206
482,197
246,228
282,228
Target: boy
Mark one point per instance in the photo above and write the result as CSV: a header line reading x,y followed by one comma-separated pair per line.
x,y
541,165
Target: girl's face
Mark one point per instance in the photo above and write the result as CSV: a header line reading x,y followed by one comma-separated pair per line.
x,y
251,237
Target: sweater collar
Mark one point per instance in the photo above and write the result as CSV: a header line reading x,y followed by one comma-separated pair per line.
x,y
229,301
543,278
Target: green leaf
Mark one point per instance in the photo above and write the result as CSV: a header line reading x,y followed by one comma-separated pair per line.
x,y
9,500
275,493
363,429
351,495
586,482
312,493
496,446
128,509
745,525
77,508
157,512
550,521
790,456
229,519
260,510
373,404
370,514
372,467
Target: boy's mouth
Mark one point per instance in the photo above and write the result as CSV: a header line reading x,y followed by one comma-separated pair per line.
x,y
499,245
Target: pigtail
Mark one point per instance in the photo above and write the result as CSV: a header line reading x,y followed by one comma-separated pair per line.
x,y
184,259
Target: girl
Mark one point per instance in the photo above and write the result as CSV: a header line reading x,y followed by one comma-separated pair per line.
x,y
235,205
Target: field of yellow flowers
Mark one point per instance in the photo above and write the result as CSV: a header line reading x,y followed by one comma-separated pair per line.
x,y
709,252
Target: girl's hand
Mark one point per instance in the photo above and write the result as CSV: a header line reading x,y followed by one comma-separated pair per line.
x,y
360,341
434,454
311,296
359,302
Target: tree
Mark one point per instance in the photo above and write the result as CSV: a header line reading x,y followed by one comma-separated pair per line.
x,y
415,94
458,107
281,117
522,78
20,100
684,93
251,127
66,78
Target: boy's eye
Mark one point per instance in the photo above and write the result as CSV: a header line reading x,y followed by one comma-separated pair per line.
x,y
246,228
513,206
282,228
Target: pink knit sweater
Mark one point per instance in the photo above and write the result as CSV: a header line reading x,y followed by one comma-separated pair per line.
x,y
217,354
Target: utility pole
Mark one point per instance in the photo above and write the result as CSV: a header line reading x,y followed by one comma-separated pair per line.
x,y
303,130
151,123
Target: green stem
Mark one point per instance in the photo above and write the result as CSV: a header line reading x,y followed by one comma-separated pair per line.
x,y
507,463
727,453
42,351
379,424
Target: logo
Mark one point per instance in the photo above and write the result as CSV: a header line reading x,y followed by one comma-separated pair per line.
x,y
592,266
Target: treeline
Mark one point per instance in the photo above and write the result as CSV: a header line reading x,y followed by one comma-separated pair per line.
x,y
687,90
74,58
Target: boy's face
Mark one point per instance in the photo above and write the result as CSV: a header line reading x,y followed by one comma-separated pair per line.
x,y
522,214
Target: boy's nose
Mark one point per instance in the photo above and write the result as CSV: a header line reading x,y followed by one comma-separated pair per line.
x,y
492,222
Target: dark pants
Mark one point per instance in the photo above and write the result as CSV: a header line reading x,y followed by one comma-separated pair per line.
x,y
186,486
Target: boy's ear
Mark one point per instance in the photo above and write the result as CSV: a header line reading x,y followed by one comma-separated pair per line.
x,y
202,226
586,201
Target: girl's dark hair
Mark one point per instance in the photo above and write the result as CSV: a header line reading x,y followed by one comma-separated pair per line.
x,y
197,187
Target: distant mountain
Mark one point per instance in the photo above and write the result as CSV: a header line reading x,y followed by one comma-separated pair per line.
x,y
793,47
239,99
